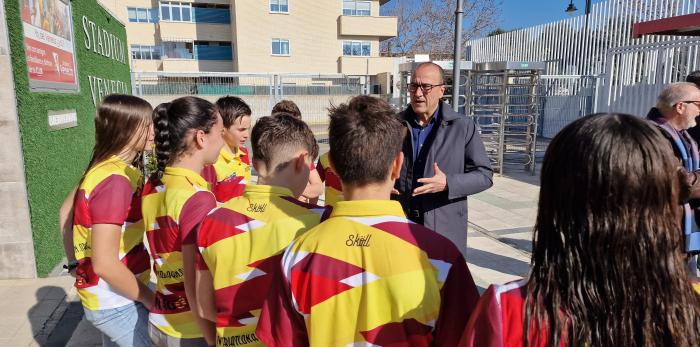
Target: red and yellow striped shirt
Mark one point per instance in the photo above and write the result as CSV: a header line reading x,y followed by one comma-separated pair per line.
x,y
241,244
334,188
367,276
109,194
172,208
229,175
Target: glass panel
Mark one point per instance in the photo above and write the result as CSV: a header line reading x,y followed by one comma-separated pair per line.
x,y
285,47
156,52
141,15
356,48
284,8
347,48
165,12
132,14
186,13
177,15
274,6
364,8
348,4
366,49
276,47
133,51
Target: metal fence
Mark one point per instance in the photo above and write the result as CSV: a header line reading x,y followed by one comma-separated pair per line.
x,y
563,99
636,74
313,93
580,45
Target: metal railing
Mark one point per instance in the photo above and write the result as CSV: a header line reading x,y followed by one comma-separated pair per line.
x,y
579,45
313,93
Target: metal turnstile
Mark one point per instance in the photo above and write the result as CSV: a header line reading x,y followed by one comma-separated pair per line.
x,y
504,104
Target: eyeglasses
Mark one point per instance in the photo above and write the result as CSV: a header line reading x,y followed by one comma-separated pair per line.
x,y
426,88
697,103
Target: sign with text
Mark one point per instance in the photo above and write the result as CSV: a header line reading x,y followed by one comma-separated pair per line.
x,y
49,45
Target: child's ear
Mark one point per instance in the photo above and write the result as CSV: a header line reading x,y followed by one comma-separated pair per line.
x,y
300,162
396,166
199,138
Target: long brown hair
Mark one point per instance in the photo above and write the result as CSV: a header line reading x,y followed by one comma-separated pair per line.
x,y
120,119
607,262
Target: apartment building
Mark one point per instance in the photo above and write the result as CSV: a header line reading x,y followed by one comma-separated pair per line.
x,y
257,36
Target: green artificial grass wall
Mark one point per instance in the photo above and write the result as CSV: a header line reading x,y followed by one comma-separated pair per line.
x,y
55,160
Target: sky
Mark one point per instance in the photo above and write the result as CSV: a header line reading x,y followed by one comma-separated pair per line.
x,y
517,14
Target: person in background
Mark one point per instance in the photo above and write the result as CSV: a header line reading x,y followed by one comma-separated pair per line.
x,y
287,106
607,266
104,241
367,276
333,187
188,135
315,187
678,106
242,241
231,172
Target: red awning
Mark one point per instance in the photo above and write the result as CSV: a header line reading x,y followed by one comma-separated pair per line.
x,y
687,25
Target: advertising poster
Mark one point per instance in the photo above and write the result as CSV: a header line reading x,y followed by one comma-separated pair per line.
x,y
49,45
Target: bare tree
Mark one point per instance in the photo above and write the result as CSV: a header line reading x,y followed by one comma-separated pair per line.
x,y
428,26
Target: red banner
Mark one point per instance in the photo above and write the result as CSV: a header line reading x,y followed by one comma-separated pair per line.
x,y
49,44
48,63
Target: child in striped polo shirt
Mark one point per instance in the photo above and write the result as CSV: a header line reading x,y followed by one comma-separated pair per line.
x,y
231,171
367,275
241,242
176,199
106,251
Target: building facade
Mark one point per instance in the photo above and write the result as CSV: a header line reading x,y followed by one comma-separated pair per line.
x,y
261,36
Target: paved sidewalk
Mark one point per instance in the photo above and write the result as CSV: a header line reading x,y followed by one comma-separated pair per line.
x,y
500,229
32,309
47,311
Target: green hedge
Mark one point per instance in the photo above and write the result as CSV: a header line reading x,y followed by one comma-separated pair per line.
x,y
54,160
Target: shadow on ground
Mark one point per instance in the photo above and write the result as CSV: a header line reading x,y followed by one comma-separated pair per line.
x,y
497,262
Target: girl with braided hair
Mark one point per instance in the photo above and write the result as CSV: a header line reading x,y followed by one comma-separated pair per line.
x,y
188,136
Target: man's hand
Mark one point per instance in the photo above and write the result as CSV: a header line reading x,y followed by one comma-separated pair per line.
x,y
435,184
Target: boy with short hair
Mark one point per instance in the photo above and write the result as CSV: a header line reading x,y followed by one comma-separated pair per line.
x,y
231,172
367,275
241,242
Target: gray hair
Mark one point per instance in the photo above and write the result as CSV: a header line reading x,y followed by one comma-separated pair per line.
x,y
673,94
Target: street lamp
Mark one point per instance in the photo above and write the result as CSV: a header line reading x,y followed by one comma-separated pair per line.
x,y
572,8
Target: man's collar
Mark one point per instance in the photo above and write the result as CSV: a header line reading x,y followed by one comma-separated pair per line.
x,y
412,117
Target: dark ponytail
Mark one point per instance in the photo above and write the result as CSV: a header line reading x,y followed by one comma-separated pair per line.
x,y
162,137
172,121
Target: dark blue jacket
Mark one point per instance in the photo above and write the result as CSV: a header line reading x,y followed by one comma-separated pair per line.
x,y
460,154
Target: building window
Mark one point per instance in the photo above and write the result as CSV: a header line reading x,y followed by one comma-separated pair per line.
x,y
280,47
213,50
145,52
357,8
357,48
178,50
176,11
142,15
279,6
211,13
